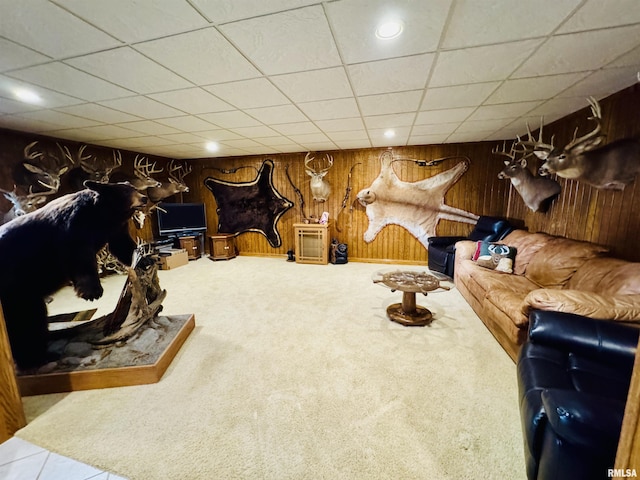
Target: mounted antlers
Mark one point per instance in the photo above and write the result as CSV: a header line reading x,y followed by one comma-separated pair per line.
x,y
47,165
320,188
609,167
98,170
176,184
143,170
537,192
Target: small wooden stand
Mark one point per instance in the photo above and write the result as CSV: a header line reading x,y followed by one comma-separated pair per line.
x,y
222,246
312,243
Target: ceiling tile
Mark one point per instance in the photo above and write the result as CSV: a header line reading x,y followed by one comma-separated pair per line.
x,y
223,11
135,21
68,80
16,122
330,109
533,88
256,92
349,144
149,127
506,110
427,139
628,59
598,14
480,64
62,120
558,106
360,134
340,125
105,132
48,98
296,128
17,56
255,132
129,69
354,23
397,74
393,120
8,105
286,42
277,114
219,134
481,23
182,137
457,96
443,116
192,100
578,52
231,119
326,84
603,83
186,123
98,113
149,141
390,103
277,141
464,137
216,60
50,30
439,128
306,138
483,125
142,106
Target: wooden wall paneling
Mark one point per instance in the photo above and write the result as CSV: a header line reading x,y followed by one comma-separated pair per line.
x,y
12,416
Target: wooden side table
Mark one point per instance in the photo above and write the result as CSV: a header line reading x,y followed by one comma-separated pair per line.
x,y
312,243
192,245
222,246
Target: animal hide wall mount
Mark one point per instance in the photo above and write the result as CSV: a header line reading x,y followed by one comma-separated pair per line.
x,y
415,206
254,206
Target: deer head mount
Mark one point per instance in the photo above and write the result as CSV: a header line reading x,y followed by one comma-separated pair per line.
x,y
44,166
320,188
612,166
98,169
23,204
143,171
537,192
175,183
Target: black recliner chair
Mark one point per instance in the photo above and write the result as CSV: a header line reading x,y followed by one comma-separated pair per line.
x,y
442,250
573,379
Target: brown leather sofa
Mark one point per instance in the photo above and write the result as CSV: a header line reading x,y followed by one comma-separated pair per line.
x,y
550,273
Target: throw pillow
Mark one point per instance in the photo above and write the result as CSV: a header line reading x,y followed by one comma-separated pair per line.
x,y
495,256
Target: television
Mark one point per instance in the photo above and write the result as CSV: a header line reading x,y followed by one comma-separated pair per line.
x,y
177,218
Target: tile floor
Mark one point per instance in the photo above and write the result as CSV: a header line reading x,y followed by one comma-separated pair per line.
x,y
21,460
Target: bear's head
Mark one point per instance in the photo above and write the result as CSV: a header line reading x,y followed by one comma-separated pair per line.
x,y
122,196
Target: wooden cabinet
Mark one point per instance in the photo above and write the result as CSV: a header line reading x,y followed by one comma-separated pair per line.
x,y
312,243
222,246
192,245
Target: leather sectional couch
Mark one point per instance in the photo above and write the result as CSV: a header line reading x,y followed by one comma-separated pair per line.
x,y
550,273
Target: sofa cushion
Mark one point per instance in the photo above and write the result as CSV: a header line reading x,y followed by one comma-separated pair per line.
x,y
607,276
527,244
558,260
588,304
510,303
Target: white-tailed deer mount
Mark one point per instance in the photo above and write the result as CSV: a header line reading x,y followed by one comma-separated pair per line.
x,y
320,188
92,167
23,204
44,166
537,192
612,166
175,183
416,206
142,174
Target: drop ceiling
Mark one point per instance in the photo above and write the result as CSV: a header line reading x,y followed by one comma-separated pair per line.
x,y
165,77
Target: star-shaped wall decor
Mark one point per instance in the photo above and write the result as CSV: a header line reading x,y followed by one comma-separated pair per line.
x,y
254,206
416,206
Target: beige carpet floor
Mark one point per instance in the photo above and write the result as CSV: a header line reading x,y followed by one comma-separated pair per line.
x,y
294,372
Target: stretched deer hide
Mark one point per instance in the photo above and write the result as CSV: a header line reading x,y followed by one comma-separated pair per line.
x,y
416,206
254,206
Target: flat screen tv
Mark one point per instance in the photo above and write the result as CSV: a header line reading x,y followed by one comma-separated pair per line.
x,y
176,218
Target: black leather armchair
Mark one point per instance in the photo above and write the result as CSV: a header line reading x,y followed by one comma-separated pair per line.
x,y
442,249
573,378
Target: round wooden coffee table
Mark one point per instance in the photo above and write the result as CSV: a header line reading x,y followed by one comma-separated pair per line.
x,y
409,283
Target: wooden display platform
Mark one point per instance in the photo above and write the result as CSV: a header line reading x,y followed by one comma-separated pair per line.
x,y
147,371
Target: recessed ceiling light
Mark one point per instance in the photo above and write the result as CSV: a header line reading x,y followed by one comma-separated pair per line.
x,y
27,96
212,147
389,133
389,29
